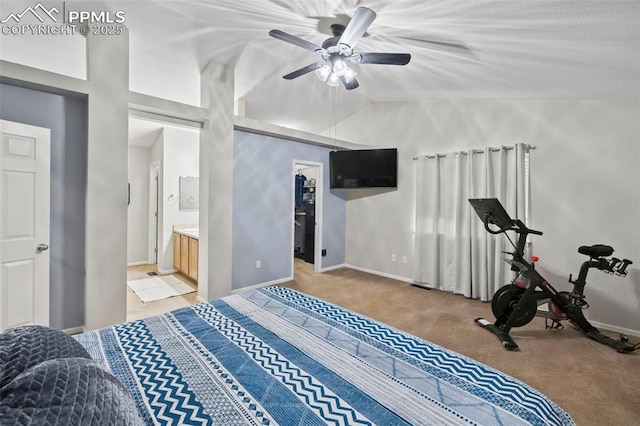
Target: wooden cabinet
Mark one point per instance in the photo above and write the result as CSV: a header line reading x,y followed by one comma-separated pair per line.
x,y
176,251
193,259
185,255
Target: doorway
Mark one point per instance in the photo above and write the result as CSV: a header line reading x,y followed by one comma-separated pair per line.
x,y
307,214
161,153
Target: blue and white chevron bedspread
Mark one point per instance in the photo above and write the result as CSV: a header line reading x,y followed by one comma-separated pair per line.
x,y
277,356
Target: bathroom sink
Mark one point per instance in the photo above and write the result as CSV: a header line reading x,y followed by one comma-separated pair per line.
x,y
192,232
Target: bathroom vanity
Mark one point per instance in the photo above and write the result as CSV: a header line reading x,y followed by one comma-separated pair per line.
x,y
185,250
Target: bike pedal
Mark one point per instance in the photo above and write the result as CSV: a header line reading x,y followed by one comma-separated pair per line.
x,y
555,324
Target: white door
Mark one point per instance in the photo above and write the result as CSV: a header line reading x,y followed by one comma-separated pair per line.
x,y
24,224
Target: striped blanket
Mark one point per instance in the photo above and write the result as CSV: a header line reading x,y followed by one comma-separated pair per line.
x,y
278,356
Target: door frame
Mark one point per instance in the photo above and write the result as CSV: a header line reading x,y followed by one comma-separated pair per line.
x,y
317,258
154,214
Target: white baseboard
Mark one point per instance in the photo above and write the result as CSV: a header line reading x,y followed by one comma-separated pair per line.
x,y
621,330
333,268
142,262
261,285
382,274
74,330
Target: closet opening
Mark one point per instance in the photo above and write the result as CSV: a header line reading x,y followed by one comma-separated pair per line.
x,y
307,217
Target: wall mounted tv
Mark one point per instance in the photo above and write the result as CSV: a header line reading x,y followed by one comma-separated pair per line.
x,y
363,168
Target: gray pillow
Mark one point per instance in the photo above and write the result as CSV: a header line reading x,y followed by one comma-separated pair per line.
x,y
27,346
67,391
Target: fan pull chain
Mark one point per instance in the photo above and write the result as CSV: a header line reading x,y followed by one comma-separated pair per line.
x,y
334,101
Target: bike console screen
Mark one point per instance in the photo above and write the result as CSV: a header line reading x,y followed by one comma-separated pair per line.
x,y
491,211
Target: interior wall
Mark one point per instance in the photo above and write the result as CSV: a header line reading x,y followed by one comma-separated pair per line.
x,y
138,210
584,185
166,72
107,70
262,203
108,133
215,252
66,55
67,118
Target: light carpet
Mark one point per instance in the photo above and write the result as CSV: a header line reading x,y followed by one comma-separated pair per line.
x,y
159,287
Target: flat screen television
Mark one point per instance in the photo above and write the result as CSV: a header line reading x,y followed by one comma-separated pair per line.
x,y
363,168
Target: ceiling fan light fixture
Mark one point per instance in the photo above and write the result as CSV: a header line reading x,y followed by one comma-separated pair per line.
x,y
337,51
340,67
349,74
323,72
333,73
333,80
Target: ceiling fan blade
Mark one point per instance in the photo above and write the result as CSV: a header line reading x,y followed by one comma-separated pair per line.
x,y
448,44
384,58
303,71
412,38
362,18
296,41
351,84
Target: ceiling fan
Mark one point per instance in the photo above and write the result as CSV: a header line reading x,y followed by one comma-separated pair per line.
x,y
337,51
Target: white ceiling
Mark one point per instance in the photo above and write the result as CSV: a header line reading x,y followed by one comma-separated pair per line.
x,y
143,133
461,49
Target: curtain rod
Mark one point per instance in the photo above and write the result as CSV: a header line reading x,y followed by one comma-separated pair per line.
x,y
474,151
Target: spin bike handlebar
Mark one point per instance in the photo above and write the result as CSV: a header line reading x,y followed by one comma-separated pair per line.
x,y
517,263
516,225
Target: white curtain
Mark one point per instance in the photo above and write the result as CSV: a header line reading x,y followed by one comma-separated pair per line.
x,y
453,250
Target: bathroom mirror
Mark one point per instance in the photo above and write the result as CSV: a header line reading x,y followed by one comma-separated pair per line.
x,y
189,187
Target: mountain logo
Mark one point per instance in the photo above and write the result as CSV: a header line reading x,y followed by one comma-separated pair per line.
x,y
39,11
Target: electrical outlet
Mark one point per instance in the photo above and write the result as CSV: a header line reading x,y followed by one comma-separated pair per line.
x,y
258,264
393,257
405,259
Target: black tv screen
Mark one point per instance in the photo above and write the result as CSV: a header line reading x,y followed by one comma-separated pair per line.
x,y
364,168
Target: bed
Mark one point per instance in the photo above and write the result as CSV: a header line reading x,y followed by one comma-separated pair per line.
x,y
277,356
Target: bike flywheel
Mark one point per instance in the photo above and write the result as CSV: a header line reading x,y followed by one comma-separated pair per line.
x,y
504,302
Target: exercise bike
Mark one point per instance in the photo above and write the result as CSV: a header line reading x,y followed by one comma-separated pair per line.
x,y
517,303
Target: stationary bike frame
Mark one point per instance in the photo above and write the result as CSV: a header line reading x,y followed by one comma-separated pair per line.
x,y
530,289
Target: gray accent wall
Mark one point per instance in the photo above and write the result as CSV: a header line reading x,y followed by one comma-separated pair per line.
x,y
66,117
262,208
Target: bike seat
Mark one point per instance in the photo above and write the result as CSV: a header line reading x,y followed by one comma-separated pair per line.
x,y
596,250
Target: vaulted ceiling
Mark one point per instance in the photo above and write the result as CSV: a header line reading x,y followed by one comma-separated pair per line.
x,y
461,49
